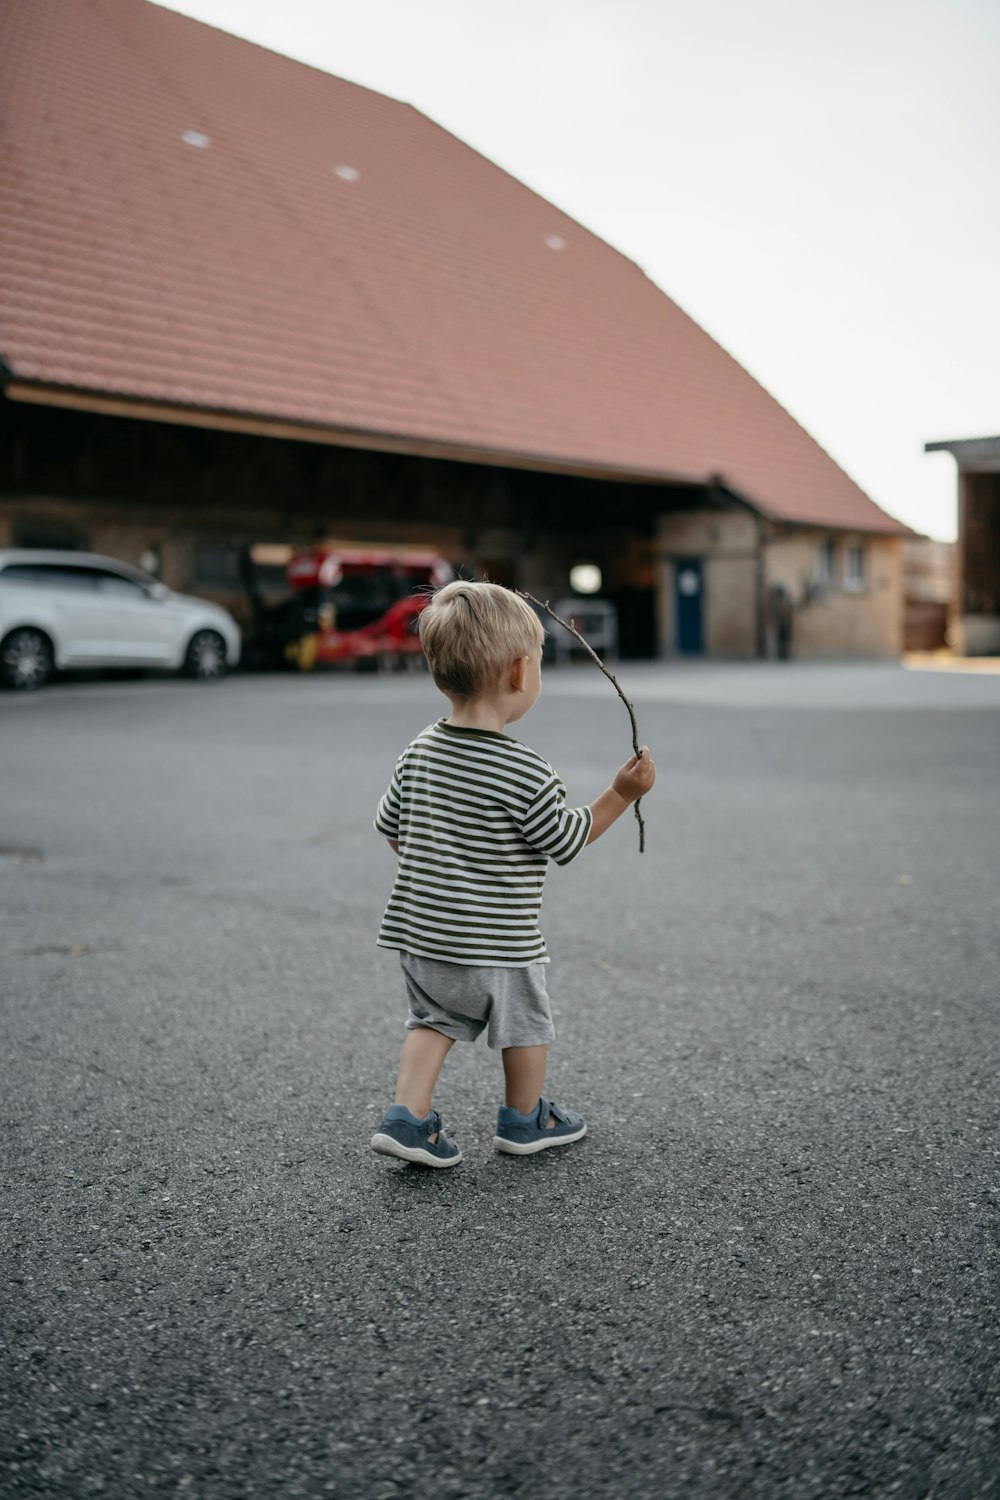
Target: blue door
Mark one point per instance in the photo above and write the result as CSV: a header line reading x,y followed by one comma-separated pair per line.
x,y
689,592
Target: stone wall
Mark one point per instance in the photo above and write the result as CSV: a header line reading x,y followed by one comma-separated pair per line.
x,y
832,619
752,568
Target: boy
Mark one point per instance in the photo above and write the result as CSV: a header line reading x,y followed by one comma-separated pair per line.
x,y
474,817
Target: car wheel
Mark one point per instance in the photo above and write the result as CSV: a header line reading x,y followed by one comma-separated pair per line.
x,y
26,659
205,657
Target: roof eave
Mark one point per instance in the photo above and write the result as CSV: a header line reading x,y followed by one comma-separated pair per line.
x,y
972,455
889,527
949,445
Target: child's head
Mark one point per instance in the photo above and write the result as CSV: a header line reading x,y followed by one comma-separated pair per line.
x,y
473,632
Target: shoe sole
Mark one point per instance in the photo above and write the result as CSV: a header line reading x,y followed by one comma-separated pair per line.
x,y
516,1148
386,1146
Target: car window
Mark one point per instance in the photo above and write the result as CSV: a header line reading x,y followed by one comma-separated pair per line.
x,y
115,583
18,573
51,575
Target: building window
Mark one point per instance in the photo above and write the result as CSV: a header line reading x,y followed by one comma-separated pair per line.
x,y
826,563
854,568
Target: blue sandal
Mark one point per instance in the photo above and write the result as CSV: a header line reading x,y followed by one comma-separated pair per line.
x,y
404,1135
522,1135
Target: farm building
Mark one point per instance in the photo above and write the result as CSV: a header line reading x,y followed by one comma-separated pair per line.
x,y
246,304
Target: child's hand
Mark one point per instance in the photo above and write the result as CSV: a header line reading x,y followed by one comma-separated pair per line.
x,y
635,778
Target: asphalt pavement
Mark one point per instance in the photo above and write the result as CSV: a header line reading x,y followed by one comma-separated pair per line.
x,y
770,1272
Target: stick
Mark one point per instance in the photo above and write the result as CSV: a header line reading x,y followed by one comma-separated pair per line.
x,y
611,678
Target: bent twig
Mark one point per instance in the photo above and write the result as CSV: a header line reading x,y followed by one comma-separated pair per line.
x,y
611,678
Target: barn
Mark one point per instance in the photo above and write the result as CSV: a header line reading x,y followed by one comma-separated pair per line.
x,y
245,304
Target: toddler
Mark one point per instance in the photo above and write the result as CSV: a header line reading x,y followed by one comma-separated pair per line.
x,y
475,816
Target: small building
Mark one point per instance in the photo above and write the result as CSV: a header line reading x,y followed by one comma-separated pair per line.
x,y
974,629
247,304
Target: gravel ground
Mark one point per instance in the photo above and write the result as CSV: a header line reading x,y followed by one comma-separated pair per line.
x,y
769,1271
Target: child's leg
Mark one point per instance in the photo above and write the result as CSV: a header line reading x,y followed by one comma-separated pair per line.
x,y
524,1074
419,1065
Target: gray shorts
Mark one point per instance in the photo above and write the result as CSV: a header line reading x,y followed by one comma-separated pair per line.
x,y
460,1001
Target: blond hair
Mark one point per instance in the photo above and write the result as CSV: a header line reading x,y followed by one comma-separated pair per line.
x,y
471,632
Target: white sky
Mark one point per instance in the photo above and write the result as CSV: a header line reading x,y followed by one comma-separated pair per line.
x,y
815,181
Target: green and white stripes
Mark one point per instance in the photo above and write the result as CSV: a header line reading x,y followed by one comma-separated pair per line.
x,y
477,816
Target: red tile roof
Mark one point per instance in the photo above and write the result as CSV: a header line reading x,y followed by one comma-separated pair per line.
x,y
415,295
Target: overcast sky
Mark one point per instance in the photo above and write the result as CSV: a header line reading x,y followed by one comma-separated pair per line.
x,y
815,181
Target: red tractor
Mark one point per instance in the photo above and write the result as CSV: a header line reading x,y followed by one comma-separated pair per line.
x,y
350,605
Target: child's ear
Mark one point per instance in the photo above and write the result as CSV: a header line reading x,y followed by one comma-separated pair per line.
x,y
519,674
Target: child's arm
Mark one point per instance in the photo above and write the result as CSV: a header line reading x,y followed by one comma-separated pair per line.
x,y
632,781
393,845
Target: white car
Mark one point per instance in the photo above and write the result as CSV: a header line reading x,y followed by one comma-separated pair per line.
x,y
77,609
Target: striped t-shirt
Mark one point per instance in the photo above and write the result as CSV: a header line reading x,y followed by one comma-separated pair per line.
x,y
477,816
